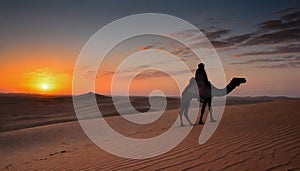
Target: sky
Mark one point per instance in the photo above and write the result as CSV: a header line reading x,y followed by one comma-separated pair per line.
x,y
40,42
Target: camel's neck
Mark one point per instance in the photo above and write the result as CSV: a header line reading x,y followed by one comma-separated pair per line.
x,y
219,92
231,86
223,92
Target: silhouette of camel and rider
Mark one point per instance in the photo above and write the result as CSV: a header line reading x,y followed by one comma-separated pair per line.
x,y
199,87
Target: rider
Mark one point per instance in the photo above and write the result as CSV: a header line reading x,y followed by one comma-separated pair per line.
x,y
201,78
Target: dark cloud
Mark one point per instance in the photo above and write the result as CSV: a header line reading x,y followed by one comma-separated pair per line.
x,y
287,35
280,62
191,35
279,25
272,24
220,44
281,66
285,11
291,15
182,52
226,43
286,28
213,35
287,21
293,48
185,34
238,39
218,40
252,61
280,36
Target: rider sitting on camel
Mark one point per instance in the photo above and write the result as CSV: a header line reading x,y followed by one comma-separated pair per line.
x,y
201,78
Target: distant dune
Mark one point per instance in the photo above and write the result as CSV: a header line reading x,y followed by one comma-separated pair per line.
x,y
41,132
30,110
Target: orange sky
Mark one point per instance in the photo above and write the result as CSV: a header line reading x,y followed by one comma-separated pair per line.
x,y
27,70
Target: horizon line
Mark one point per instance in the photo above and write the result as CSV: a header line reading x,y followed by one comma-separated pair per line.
x,y
136,95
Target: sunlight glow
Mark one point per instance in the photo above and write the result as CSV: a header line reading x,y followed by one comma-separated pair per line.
x,y
44,86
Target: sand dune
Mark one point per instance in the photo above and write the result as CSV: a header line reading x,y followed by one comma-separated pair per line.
x,y
19,111
26,111
262,136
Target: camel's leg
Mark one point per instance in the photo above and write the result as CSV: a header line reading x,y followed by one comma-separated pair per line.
x,y
202,112
182,109
186,111
211,112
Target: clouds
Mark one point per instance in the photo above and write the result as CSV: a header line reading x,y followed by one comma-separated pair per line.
x,y
266,43
213,35
284,29
281,36
152,73
172,46
292,48
46,74
233,40
146,47
288,18
149,74
270,40
281,62
274,43
278,40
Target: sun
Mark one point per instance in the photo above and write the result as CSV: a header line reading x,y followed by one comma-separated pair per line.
x,y
45,87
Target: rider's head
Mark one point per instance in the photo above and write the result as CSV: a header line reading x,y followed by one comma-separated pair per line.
x,y
201,65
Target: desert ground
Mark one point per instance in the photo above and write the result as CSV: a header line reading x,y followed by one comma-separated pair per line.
x,y
255,133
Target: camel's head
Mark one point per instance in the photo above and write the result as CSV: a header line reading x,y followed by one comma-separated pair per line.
x,y
237,81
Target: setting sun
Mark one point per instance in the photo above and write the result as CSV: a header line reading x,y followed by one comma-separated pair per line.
x,y
44,86
40,81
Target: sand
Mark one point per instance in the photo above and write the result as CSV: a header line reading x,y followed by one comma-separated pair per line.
x,y
257,136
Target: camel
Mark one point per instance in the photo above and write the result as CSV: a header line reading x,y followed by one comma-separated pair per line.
x,y
193,91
